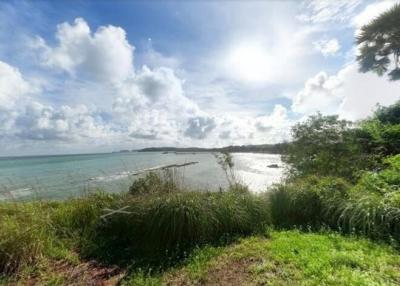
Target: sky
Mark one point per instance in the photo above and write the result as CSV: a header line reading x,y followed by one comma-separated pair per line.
x,y
98,76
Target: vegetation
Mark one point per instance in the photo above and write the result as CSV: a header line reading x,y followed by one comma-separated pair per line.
x,y
325,146
334,220
287,258
154,226
342,177
278,148
379,40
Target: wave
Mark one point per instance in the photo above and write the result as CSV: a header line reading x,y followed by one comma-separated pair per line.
x,y
110,178
125,174
16,193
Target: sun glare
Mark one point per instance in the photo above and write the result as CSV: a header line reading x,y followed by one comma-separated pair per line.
x,y
249,62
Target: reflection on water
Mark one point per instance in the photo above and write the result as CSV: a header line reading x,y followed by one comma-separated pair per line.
x,y
69,175
254,171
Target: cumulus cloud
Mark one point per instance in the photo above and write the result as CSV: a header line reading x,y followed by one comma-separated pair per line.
x,y
349,93
12,85
104,55
153,104
318,94
275,125
41,122
327,47
199,127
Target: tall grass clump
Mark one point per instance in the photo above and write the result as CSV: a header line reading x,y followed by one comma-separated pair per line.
x,y
306,202
168,223
373,207
24,235
78,216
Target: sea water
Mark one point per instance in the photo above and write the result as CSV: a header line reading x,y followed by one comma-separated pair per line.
x,y
64,176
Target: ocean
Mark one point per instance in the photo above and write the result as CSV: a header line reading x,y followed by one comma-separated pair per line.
x,y
64,176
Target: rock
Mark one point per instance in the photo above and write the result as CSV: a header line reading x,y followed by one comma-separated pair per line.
x,y
273,166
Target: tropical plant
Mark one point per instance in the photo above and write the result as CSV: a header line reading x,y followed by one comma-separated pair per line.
x,y
378,40
325,146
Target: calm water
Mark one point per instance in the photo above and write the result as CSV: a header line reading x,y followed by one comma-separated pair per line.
x,y
70,175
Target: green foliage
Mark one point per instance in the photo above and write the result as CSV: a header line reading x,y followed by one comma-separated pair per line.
x,y
74,220
371,207
325,146
383,131
328,259
161,182
286,258
162,227
389,114
379,40
305,202
24,235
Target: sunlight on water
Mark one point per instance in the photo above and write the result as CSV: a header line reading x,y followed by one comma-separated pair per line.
x,y
254,171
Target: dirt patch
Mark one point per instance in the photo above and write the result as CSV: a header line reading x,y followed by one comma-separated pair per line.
x,y
88,274
236,272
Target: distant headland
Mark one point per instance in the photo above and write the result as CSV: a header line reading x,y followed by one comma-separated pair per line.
x,y
278,148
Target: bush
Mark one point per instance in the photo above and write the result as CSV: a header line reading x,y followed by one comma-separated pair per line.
x,y
374,204
160,182
306,202
159,227
371,207
325,146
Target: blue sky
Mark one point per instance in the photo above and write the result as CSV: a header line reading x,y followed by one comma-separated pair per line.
x,y
94,76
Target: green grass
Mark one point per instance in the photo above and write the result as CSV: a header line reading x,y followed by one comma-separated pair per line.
x,y
167,234
159,228
286,258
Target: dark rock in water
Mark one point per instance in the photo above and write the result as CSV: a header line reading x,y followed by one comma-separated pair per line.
x,y
273,166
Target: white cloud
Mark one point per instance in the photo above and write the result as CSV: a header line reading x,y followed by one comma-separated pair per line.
x,y
327,47
41,122
322,11
318,94
152,58
152,103
103,55
199,127
276,125
371,11
349,93
362,91
12,85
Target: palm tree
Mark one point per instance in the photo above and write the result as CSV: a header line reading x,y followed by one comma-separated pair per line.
x,y
379,40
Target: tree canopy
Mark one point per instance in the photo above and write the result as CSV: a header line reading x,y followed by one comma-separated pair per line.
x,y
379,40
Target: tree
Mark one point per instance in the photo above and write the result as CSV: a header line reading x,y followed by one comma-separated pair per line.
x,y
379,40
325,146
383,131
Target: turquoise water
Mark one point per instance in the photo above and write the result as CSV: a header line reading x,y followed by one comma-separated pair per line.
x,y
70,175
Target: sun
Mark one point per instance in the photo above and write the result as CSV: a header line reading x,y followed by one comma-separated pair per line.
x,y
249,62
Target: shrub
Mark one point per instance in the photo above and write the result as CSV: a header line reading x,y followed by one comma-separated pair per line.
x,y
160,226
306,202
374,204
160,182
325,146
371,207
